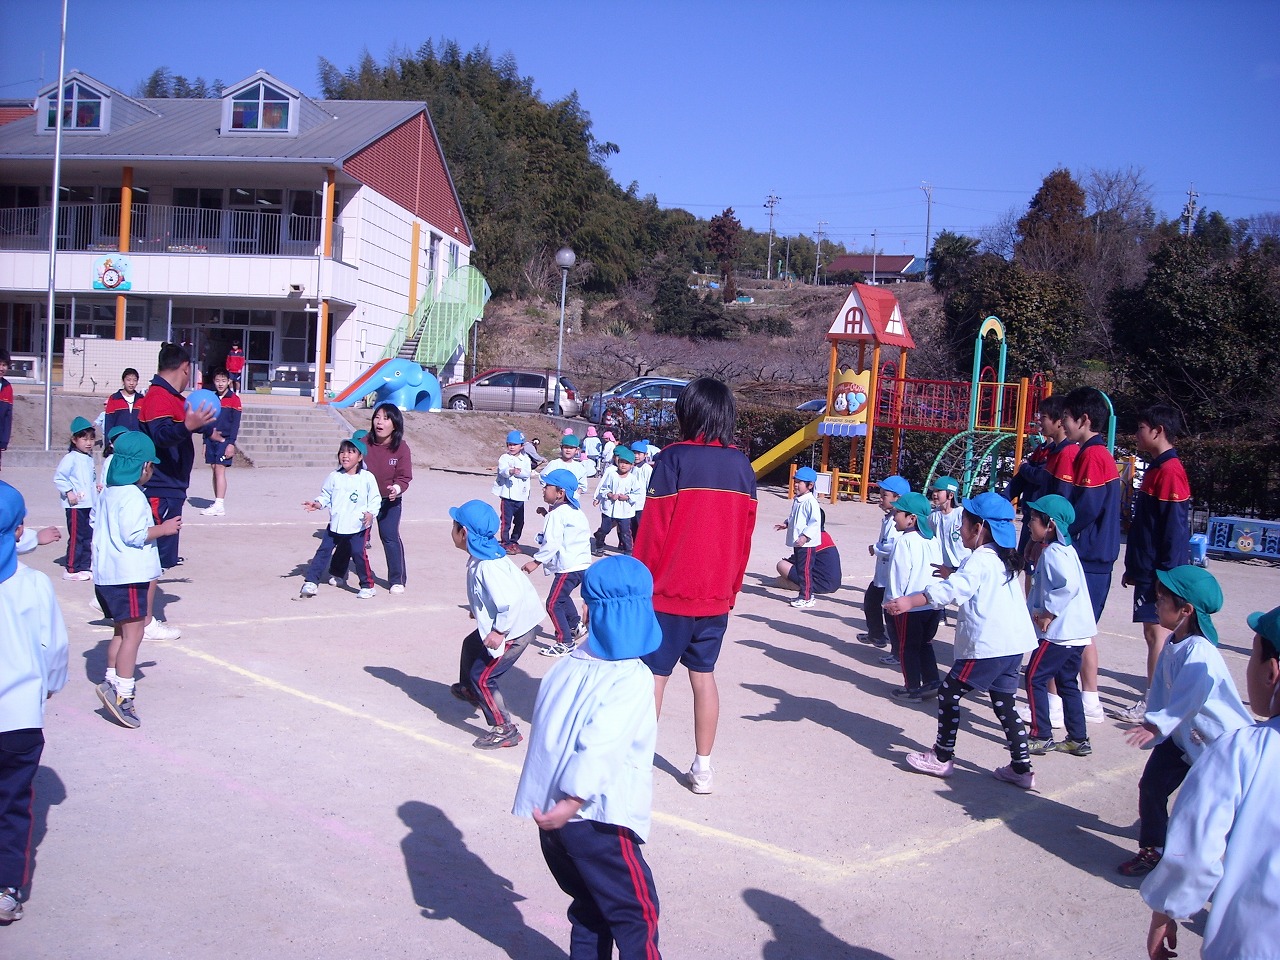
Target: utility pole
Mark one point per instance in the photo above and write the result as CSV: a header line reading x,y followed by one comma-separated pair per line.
x,y
928,223
787,269
817,259
771,201
1189,211
873,254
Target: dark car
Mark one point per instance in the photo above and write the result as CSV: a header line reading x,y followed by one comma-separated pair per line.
x,y
648,405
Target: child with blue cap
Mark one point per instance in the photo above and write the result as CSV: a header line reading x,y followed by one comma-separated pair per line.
x,y
587,780
33,649
804,533
891,488
1221,842
507,612
1192,702
993,631
564,547
912,565
512,490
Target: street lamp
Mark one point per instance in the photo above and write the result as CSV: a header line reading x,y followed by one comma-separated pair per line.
x,y
565,259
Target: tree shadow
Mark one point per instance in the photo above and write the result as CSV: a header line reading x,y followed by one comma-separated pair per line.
x,y
798,934
449,882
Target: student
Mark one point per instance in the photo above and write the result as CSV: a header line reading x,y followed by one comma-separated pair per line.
x,y
1159,535
77,485
126,566
804,532
644,472
570,459
606,449
390,460
6,404
33,649
615,496
891,488
1063,618
531,451
824,575
945,520
351,496
587,780
912,565
565,549
593,450
507,612
121,408
1039,474
1095,495
702,511
221,454
511,487
1222,836
993,631
1191,703
234,365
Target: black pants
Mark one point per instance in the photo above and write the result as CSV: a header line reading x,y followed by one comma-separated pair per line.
x,y
1163,774
19,760
913,635
601,867
162,509
480,672
873,611
79,540
511,522
624,532
336,551
1052,661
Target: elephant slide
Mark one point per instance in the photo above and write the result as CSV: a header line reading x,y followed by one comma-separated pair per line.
x,y
397,381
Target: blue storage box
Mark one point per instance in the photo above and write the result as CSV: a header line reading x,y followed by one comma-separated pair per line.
x,y
1244,537
1199,549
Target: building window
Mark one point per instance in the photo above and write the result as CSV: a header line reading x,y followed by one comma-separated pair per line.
x,y
260,107
82,109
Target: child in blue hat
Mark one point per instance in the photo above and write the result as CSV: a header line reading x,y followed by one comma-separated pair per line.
x,y
587,780
512,490
507,612
352,497
565,549
804,534
912,565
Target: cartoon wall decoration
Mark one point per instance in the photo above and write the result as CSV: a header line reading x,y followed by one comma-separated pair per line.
x,y
112,272
851,396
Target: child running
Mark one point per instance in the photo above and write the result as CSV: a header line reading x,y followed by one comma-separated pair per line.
x,y
352,497
507,612
126,566
77,485
890,489
511,487
1192,702
587,780
615,495
911,569
1063,618
565,550
993,631
804,534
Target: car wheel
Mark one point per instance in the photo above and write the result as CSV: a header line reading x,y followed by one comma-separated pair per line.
x,y
552,410
459,403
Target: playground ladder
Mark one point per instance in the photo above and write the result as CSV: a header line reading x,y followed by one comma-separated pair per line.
x,y
441,321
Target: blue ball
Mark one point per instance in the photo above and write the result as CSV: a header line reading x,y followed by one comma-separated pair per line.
x,y
204,398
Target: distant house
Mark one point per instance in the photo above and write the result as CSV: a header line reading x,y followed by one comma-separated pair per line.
x,y
262,217
879,269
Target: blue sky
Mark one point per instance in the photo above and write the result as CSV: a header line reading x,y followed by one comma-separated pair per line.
x,y
840,108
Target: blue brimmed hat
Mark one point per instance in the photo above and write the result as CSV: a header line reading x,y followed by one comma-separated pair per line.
x,y
807,475
1060,511
1267,626
997,513
919,506
640,446
481,523
13,509
621,624
515,436
1197,586
566,481
895,484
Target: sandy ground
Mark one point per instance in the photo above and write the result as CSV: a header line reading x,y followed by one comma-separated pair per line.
x,y
304,786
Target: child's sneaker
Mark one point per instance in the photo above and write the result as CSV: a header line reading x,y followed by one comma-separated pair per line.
x,y
699,782
10,906
366,593
868,638
215,509
465,694
1038,747
580,631
159,630
556,650
597,551
1136,712
1142,864
927,762
1007,774
800,603
1077,748
506,735
308,590
906,693
77,575
119,707
337,581
930,690
396,588
890,660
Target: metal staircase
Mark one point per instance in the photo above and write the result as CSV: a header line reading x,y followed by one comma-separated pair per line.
x,y
439,325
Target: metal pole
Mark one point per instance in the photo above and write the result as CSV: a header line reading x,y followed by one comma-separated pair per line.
x,y
53,233
817,257
771,201
873,255
928,224
564,286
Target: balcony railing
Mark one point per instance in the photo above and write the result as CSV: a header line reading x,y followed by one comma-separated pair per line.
x,y
153,228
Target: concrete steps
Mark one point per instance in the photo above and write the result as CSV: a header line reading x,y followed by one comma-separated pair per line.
x,y
295,436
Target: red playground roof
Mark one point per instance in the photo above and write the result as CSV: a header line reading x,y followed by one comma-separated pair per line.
x,y
870,315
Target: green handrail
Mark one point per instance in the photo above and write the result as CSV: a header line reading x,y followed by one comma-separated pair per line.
x,y
457,305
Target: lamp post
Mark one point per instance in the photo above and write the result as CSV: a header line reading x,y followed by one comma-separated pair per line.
x,y
565,259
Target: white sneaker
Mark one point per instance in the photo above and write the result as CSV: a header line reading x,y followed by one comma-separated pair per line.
x,y
1134,713
308,590
216,509
78,575
396,588
802,604
699,783
580,631
335,582
366,593
158,630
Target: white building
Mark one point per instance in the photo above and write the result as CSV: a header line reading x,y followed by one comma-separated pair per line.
x,y
263,217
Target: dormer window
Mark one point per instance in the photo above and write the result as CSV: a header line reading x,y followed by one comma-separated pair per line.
x,y
263,108
83,109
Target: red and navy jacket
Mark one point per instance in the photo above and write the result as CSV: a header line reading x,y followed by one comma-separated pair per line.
x,y
826,566
119,413
6,413
162,415
1159,536
699,514
1031,482
228,422
1062,468
1095,493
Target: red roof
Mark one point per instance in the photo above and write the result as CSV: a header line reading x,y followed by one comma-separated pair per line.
x,y
862,263
10,114
871,315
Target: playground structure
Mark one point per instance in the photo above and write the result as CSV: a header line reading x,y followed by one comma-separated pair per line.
x,y
397,381
987,417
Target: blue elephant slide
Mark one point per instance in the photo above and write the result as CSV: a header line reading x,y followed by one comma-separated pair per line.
x,y
397,381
